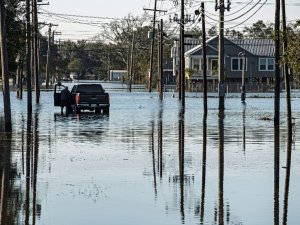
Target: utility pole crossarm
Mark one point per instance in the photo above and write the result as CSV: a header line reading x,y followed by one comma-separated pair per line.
x,y
157,10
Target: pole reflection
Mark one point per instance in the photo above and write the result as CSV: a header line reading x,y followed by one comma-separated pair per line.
x,y
287,178
151,136
276,173
181,163
221,168
244,128
5,167
160,141
203,169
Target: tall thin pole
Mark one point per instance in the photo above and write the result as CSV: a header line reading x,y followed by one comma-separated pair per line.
x,y
243,88
35,51
4,67
204,59
152,48
221,56
48,57
161,71
131,63
277,64
182,62
286,70
28,58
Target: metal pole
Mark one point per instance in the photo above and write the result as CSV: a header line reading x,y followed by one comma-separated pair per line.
x,y
35,51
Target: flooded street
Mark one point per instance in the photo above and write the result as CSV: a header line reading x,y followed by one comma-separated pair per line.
x,y
147,162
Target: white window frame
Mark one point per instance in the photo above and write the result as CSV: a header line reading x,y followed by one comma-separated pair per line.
x,y
267,64
240,67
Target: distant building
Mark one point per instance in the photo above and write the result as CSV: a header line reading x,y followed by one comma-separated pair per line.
x,y
259,58
117,75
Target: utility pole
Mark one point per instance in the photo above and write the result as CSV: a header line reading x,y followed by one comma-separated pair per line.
x,y
49,55
182,61
160,60
286,71
4,69
152,42
131,62
277,64
221,7
243,89
35,51
28,58
204,57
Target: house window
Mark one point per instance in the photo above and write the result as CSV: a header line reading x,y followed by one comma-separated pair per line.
x,y
195,64
237,64
266,64
214,65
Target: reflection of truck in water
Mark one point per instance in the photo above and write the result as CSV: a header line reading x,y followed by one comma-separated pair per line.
x,y
90,97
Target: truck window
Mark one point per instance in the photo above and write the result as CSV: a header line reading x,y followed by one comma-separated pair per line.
x,y
89,88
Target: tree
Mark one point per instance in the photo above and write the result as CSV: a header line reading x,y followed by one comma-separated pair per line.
x,y
259,30
4,69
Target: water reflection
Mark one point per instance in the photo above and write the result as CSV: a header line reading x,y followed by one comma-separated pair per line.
x,y
287,178
5,167
202,208
181,163
221,170
276,173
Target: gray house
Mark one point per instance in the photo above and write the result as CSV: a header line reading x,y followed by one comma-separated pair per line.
x,y
259,58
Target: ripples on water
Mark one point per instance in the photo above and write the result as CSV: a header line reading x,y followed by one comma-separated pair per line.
x,y
146,163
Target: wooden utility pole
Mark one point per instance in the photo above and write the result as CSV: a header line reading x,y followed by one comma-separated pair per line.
x,y
49,55
160,60
35,51
243,88
28,58
131,62
277,64
204,59
4,69
221,56
182,61
286,70
152,47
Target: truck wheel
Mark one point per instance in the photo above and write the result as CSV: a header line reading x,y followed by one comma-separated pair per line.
x,y
97,111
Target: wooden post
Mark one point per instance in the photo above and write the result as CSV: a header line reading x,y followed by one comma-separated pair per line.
x,y
4,69
35,51
48,57
182,61
28,58
277,65
160,61
204,60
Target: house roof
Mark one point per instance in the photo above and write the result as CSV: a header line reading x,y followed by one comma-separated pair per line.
x,y
258,47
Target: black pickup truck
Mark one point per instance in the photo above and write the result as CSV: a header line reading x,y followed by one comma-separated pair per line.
x,y
90,97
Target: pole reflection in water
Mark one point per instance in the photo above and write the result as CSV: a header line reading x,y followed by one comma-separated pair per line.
x,y
181,163
287,178
151,136
31,164
160,140
5,166
203,169
276,173
221,168
244,128
27,163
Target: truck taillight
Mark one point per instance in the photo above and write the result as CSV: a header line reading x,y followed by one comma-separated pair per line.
x,y
77,98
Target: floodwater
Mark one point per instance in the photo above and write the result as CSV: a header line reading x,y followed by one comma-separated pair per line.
x,y
148,162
